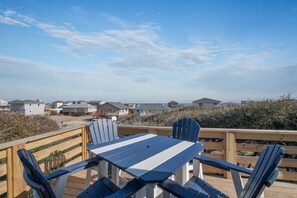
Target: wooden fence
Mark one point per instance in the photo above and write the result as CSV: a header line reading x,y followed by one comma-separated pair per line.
x,y
67,146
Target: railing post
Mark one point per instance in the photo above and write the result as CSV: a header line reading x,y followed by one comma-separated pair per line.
x,y
85,140
152,131
9,179
229,150
18,182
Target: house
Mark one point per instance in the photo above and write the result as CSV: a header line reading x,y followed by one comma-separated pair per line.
x,y
27,107
206,103
113,109
172,104
96,103
57,104
79,109
56,107
149,109
4,106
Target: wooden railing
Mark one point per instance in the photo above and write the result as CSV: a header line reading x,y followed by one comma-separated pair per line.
x,y
54,149
67,146
238,146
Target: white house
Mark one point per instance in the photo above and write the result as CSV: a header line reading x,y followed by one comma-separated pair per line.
x,y
148,109
4,106
57,106
27,107
96,103
206,103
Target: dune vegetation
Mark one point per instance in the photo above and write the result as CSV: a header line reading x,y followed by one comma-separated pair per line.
x,y
280,114
15,126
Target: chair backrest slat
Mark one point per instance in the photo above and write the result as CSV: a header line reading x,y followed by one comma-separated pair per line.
x,y
103,130
186,129
266,167
34,177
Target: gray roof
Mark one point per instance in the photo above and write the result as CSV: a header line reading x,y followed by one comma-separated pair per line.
x,y
95,101
206,100
76,106
25,102
118,105
150,106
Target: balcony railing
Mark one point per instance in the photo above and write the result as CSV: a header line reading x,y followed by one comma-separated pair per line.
x,y
67,146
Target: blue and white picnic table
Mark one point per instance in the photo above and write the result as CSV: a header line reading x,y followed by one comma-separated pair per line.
x,y
148,157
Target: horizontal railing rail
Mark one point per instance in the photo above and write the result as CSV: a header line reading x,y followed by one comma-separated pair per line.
x,y
52,150
67,146
238,146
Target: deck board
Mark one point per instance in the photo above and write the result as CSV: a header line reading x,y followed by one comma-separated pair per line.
x,y
76,184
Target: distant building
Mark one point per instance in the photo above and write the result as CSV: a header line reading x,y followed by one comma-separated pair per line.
x,y
47,110
27,107
96,103
172,104
229,104
4,106
243,102
57,104
75,102
56,107
149,109
206,103
79,109
113,109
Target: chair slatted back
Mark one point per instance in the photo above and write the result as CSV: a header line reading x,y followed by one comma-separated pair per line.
x,y
34,176
186,129
103,130
264,173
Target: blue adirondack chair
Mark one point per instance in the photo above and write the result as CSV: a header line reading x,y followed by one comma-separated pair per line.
x,y
263,175
42,188
186,129
101,131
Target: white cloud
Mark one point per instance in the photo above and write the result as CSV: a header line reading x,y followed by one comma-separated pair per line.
x,y
10,17
137,47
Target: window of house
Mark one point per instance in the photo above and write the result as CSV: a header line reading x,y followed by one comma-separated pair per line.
x,y
215,103
200,104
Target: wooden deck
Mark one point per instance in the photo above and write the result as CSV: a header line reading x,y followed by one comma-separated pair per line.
x,y
76,184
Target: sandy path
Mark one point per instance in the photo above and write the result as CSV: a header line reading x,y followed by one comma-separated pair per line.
x,y
71,121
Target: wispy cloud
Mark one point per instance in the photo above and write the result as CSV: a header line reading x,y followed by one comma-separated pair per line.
x,y
10,17
135,47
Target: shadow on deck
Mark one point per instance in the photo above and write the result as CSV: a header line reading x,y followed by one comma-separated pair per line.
x,y
76,184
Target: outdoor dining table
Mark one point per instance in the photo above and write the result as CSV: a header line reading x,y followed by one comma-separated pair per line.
x,y
148,157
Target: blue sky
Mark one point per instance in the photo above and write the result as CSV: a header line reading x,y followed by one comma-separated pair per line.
x,y
152,51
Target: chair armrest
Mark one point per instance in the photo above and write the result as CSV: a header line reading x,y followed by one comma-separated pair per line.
x,y
272,178
74,168
129,189
177,190
222,164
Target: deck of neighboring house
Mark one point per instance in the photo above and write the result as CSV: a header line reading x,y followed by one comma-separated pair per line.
x,y
76,184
